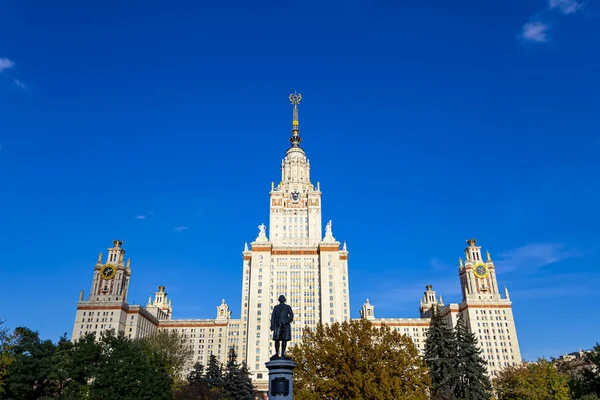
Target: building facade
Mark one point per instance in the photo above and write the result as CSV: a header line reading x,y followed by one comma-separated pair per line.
x,y
308,267
295,260
487,314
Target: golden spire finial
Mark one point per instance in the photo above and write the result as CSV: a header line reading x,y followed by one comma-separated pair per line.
x,y
295,99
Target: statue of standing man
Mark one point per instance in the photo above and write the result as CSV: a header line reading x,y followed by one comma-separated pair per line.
x,y
281,320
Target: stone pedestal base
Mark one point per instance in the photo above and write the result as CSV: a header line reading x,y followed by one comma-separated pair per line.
x,y
281,372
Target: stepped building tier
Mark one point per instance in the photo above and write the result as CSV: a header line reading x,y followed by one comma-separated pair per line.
x,y
310,268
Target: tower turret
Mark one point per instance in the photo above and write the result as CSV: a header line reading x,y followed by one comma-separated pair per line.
x,y
367,311
428,301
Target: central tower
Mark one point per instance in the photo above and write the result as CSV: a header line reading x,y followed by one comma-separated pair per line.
x,y
295,218
295,260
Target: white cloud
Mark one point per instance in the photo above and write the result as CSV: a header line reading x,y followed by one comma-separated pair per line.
x,y
180,228
6,63
535,32
140,217
535,256
566,6
19,84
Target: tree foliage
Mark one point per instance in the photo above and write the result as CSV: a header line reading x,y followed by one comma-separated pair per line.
x,y
441,357
171,349
29,374
355,360
128,369
533,381
5,355
237,384
214,383
589,381
584,374
214,373
473,382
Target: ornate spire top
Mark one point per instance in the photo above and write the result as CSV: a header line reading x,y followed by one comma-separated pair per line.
x,y
295,99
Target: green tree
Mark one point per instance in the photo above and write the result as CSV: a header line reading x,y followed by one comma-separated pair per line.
x,y
245,381
214,373
590,375
60,361
584,376
128,370
172,349
534,381
440,356
196,375
195,387
6,357
29,372
83,360
237,384
355,360
473,382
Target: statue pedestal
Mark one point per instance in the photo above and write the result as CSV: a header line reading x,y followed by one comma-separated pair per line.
x,y
281,372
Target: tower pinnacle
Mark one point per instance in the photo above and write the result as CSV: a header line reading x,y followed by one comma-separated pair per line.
x,y
295,140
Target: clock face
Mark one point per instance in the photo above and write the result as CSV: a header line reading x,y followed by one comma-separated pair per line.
x,y
108,271
295,196
480,271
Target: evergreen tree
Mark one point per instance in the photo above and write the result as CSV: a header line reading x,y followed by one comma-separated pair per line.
x,y
214,373
60,373
84,357
196,387
127,371
196,375
440,354
236,382
245,382
28,374
473,382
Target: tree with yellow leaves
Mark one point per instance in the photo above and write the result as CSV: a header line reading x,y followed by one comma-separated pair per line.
x,y
355,360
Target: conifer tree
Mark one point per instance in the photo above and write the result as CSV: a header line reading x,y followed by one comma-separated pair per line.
x,y
214,373
473,382
235,380
196,375
245,381
440,353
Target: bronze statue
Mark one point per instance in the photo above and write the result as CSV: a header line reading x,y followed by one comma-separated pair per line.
x,y
281,320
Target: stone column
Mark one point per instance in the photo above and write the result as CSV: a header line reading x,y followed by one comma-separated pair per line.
x,y
281,373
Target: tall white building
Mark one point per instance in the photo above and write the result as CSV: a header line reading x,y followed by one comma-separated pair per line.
x,y
294,260
310,268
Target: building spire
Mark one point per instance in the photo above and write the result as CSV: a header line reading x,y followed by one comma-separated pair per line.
x,y
295,140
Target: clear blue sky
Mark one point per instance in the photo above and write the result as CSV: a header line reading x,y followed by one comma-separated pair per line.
x,y
426,123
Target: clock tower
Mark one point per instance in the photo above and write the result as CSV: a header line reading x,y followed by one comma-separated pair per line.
x,y
111,279
477,277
